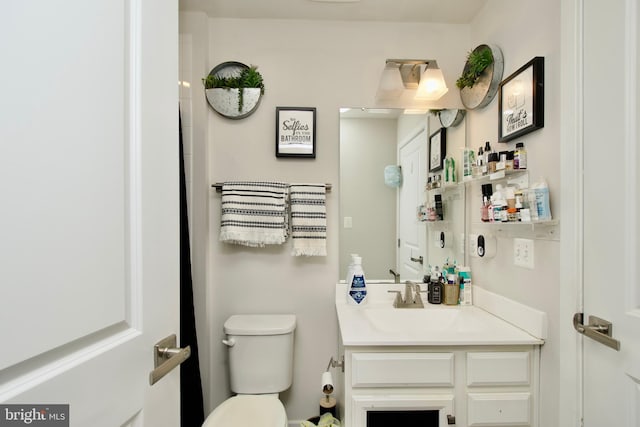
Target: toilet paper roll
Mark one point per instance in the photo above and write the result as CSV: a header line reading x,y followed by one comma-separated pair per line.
x,y
327,383
328,404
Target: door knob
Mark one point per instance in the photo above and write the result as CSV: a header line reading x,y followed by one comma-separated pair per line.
x,y
598,329
166,357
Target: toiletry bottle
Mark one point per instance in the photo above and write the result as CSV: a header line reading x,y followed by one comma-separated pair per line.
x,y
502,161
492,162
452,173
509,163
484,209
533,204
520,157
541,190
439,207
468,163
350,269
435,290
466,294
482,166
357,293
487,152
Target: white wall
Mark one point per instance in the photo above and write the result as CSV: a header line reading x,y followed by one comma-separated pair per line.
x,y
524,30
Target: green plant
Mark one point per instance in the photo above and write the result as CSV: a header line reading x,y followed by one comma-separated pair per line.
x,y
477,62
248,78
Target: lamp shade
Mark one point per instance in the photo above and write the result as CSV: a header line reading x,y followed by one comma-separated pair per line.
x,y
432,85
391,85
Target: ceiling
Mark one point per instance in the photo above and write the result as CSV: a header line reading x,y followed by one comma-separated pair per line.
x,y
441,11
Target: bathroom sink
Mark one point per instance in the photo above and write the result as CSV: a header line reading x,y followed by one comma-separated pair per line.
x,y
379,323
389,319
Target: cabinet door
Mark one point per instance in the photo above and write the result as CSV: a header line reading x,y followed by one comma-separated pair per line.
x,y
498,368
499,409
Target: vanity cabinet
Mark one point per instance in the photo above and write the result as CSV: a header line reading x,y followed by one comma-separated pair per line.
x,y
469,386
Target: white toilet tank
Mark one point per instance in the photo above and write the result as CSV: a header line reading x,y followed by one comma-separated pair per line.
x,y
260,352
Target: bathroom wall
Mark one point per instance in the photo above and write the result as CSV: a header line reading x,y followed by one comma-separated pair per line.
x,y
524,30
310,64
328,65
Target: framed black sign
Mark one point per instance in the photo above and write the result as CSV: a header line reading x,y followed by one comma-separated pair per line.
x,y
521,101
296,132
437,149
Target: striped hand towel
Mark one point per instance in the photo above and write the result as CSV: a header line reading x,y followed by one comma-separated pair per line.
x,y
308,219
254,213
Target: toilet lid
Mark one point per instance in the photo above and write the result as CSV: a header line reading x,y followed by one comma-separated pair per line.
x,y
248,411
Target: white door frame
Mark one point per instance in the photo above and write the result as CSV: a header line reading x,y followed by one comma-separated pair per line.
x,y
572,195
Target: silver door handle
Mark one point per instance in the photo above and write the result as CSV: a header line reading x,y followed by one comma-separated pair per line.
x,y
419,259
166,357
598,329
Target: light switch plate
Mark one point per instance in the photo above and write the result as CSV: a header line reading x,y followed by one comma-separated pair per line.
x,y
523,253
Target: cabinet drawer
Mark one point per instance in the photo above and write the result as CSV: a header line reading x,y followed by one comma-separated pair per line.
x,y
498,409
402,370
498,368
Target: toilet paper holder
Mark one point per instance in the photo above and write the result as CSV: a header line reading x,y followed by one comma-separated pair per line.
x,y
333,363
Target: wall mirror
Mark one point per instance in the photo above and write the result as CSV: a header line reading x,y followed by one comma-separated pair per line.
x,y
390,227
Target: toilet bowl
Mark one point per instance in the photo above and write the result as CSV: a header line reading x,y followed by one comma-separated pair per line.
x,y
260,350
248,411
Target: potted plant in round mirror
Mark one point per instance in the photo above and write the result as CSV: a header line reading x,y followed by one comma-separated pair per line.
x,y
481,76
233,89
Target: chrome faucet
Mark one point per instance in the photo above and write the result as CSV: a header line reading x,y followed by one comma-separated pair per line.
x,y
396,276
411,299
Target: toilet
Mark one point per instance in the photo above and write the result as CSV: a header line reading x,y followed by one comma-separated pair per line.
x,y
260,350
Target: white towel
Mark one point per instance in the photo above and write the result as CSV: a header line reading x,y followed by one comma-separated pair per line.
x,y
308,219
254,213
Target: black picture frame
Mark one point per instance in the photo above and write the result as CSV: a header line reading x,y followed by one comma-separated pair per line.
x,y
296,132
521,101
437,149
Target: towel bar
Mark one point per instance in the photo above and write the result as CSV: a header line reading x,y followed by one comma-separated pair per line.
x,y
218,186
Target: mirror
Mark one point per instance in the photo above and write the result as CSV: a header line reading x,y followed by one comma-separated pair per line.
x,y
388,226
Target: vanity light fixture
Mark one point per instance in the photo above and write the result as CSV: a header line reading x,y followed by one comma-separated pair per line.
x,y
432,85
402,74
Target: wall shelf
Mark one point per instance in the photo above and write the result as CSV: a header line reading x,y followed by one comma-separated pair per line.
x,y
543,230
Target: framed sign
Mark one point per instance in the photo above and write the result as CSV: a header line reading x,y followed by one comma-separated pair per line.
x,y
437,149
296,132
521,101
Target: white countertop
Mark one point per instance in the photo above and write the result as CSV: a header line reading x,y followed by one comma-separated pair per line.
x,y
378,323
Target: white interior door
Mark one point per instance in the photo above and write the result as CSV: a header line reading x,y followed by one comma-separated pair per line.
x,y
411,232
89,218
611,379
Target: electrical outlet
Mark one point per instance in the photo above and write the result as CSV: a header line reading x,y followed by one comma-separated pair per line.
x,y
473,245
523,253
348,222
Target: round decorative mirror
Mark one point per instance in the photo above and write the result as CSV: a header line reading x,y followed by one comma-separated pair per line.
x,y
482,92
234,89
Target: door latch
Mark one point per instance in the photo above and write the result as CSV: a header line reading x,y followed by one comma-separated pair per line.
x,y
598,329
